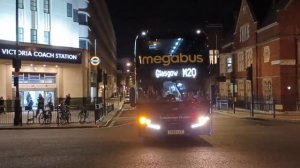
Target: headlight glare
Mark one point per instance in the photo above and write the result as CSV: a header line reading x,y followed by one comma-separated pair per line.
x,y
201,121
144,120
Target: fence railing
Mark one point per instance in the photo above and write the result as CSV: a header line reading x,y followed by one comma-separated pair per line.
x,y
259,106
7,112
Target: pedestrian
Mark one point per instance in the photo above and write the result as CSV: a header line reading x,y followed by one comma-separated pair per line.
x,y
30,104
40,104
1,105
68,100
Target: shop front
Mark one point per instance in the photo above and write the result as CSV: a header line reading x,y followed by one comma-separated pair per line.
x,y
47,71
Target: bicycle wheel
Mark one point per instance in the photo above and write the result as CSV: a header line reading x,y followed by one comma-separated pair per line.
x,y
80,117
40,118
68,117
86,116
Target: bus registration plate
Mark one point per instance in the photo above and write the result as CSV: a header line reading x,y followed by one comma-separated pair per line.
x,y
175,132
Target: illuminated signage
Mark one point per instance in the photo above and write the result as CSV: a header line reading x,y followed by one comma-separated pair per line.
x,y
166,60
95,60
183,72
41,54
166,73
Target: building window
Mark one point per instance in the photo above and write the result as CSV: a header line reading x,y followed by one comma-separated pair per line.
x,y
33,36
33,5
241,89
267,53
222,65
267,88
21,34
213,56
82,19
21,4
229,64
69,10
241,62
47,6
83,44
36,78
75,15
47,37
223,89
244,33
249,57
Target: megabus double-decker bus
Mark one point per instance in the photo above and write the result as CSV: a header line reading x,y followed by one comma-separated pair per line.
x,y
172,74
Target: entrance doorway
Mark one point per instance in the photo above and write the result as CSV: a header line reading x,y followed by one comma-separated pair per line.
x,y
26,95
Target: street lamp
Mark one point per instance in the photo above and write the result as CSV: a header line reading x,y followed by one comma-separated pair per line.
x,y
143,33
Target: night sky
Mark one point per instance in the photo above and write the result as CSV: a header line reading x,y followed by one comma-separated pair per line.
x,y
129,17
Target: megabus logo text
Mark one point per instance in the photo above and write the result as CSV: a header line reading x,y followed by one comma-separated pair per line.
x,y
166,60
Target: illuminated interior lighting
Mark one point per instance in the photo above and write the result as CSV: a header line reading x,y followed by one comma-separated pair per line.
x,y
44,65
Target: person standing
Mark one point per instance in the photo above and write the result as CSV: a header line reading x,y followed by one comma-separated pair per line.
x,y
68,100
1,105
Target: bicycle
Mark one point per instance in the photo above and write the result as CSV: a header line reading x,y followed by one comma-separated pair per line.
x,y
83,116
45,117
63,115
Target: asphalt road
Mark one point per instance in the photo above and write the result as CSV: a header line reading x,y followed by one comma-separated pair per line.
x,y
237,143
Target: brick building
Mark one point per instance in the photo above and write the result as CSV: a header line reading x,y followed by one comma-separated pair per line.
x,y
269,41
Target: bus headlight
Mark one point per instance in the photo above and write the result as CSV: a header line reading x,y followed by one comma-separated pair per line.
x,y
144,120
147,122
200,122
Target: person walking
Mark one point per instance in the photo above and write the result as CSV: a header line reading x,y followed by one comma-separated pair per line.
x,y
40,104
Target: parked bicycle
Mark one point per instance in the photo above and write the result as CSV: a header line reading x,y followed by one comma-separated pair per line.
x,y
83,115
46,116
63,114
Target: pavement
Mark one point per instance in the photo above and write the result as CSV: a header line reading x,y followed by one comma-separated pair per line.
x,y
291,116
103,122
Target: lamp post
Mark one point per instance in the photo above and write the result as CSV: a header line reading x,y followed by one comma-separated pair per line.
x,y
143,33
17,66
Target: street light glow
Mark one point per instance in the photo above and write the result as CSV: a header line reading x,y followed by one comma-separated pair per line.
x,y
128,64
198,31
144,33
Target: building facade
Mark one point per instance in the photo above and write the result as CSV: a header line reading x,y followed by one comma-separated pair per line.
x,y
269,42
54,44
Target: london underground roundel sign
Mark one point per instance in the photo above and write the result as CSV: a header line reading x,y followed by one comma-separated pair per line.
x,y
95,60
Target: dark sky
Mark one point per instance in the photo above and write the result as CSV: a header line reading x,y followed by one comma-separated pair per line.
x,y
129,17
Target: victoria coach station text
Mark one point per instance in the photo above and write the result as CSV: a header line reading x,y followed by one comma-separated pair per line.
x,y
39,54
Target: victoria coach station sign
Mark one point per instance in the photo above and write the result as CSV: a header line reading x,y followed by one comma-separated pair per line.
x,y
40,54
